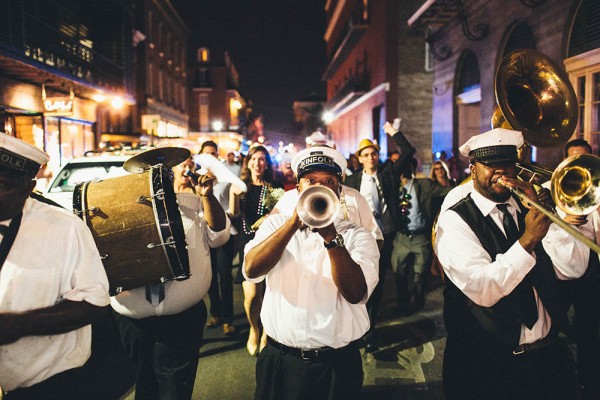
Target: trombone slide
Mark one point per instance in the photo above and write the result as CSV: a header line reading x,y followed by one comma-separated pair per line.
x,y
557,220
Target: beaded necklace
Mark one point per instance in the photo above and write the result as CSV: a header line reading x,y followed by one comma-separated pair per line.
x,y
259,212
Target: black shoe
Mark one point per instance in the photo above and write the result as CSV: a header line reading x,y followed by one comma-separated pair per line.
x,y
371,347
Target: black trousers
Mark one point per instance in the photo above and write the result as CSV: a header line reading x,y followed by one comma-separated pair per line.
x,y
220,292
584,294
493,373
334,374
164,351
62,386
374,302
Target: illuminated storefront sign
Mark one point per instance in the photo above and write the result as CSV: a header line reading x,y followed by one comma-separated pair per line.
x,y
58,106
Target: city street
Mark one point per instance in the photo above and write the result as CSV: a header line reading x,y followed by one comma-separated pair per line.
x,y
406,366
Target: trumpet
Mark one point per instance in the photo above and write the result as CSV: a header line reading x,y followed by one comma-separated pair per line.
x,y
318,206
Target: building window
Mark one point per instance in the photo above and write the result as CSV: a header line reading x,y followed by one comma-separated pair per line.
x,y
203,112
585,33
428,58
150,80
203,55
161,84
469,89
583,66
520,37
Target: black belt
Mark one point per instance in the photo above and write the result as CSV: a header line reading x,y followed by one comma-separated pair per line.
x,y
543,342
305,354
408,232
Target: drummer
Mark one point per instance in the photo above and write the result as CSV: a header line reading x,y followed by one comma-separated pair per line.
x,y
161,325
52,285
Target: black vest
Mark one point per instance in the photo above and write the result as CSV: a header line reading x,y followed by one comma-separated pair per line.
x,y
500,323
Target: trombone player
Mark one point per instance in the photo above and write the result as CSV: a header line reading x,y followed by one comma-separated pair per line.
x,y
318,281
503,309
584,294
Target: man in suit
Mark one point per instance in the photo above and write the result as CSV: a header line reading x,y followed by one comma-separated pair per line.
x,y
412,249
380,187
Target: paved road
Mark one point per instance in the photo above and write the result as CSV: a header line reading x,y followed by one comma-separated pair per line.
x,y
407,364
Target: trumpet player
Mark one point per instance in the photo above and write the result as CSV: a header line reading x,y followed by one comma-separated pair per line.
x,y
503,308
317,284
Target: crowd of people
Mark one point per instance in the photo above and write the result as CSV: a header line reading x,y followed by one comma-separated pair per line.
x,y
312,294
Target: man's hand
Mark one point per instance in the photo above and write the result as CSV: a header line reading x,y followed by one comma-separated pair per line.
x,y
536,227
327,233
576,220
389,128
205,185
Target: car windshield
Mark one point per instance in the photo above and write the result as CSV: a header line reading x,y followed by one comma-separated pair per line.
x,y
76,173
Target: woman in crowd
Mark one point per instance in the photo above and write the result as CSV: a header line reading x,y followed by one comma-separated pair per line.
x,y
182,182
440,176
247,209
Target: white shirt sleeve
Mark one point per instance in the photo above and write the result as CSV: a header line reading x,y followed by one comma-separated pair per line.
x,y
469,266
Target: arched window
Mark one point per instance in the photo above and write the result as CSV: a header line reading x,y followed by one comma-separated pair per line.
x,y
203,55
520,37
585,34
468,87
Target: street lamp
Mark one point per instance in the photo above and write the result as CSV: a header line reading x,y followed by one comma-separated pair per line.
x,y
217,125
327,117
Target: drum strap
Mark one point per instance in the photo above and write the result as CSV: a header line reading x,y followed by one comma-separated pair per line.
x,y
9,238
155,293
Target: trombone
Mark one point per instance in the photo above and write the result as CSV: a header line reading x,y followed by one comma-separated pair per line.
x,y
535,97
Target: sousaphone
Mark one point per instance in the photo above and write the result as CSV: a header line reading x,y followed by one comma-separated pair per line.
x,y
535,97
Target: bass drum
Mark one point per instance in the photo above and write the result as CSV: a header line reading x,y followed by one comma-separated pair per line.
x,y
137,227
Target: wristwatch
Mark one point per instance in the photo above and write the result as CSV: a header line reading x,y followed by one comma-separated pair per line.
x,y
338,241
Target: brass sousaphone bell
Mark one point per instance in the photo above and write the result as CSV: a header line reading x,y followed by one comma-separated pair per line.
x,y
535,97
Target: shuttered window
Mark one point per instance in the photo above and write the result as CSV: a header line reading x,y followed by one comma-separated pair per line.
x,y
585,35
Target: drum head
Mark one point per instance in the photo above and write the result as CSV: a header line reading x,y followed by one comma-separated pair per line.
x,y
165,156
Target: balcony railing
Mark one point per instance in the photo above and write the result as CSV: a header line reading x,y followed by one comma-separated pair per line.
x,y
354,88
30,40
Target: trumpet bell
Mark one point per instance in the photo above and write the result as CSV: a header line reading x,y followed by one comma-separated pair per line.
x,y
575,184
536,98
318,206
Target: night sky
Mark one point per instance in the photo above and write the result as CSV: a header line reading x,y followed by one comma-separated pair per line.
x,y
276,45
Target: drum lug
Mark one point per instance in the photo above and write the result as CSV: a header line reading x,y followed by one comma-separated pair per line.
x,y
168,242
160,194
103,256
93,210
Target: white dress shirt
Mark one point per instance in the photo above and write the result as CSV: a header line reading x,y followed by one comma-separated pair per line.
x,y
486,281
53,258
180,295
302,306
354,208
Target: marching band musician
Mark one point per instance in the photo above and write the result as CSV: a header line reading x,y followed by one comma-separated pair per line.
x,y
317,285
584,294
502,306
162,329
52,285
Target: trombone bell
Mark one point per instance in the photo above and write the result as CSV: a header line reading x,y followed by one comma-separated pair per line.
x,y
318,206
575,184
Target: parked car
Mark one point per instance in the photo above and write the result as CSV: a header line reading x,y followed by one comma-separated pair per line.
x,y
83,169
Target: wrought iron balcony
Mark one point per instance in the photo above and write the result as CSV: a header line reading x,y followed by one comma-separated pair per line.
x,y
60,49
